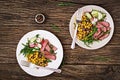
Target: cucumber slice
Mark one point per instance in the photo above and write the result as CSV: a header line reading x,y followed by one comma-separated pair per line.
x,y
33,39
100,15
88,15
104,15
94,13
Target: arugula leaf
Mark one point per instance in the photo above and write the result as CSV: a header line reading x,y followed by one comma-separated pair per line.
x,y
24,44
107,32
37,35
28,41
51,51
48,60
27,50
93,32
89,38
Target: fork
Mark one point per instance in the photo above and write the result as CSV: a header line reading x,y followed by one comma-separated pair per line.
x,y
28,64
78,19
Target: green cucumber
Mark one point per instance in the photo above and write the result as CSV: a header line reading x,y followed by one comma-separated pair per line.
x,y
94,13
33,39
100,15
88,15
104,15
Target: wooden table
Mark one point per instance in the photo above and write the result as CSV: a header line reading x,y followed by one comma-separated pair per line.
x,y
17,18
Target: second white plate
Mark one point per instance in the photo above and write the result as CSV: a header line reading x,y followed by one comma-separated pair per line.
x,y
95,45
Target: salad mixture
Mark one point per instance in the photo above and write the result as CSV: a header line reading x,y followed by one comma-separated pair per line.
x,y
39,51
93,27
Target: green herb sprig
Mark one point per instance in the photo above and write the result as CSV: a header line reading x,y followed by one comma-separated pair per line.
x,y
48,60
65,4
55,27
101,58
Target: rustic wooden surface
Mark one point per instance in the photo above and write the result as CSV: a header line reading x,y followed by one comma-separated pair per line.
x,y
17,18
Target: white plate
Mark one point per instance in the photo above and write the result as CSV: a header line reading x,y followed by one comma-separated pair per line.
x,y
54,64
95,45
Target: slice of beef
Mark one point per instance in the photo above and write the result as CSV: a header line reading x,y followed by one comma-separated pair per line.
x,y
99,26
54,48
104,36
44,44
50,56
47,48
104,29
104,23
46,53
97,33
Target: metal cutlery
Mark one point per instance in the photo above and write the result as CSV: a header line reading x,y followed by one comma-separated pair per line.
x,y
78,19
28,64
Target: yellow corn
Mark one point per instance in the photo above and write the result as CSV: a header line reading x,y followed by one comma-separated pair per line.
x,y
83,28
35,59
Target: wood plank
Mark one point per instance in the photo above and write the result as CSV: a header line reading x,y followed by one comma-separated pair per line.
x,y
6,31
9,29
17,18
107,55
89,2
81,72
24,11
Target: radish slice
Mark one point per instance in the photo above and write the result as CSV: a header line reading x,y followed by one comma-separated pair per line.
x,y
38,40
94,20
32,45
39,45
